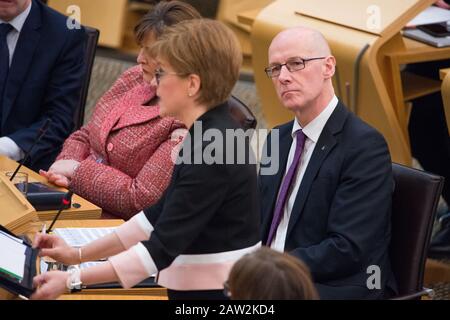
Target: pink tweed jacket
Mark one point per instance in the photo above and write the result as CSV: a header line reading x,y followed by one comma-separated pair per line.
x,y
125,149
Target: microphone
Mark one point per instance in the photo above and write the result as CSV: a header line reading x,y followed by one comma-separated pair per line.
x,y
41,133
65,204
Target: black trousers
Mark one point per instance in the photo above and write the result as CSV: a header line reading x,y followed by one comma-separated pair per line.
x,y
430,142
196,295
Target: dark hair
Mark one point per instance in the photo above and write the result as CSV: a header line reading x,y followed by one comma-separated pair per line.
x,y
270,275
164,14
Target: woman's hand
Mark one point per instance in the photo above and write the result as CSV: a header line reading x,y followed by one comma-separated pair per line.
x,y
56,179
50,285
60,172
56,248
64,168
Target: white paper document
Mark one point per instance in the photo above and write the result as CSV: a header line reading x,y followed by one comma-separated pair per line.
x,y
12,256
430,15
78,237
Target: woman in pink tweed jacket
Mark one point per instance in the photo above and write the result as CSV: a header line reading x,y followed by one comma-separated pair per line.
x,y
121,159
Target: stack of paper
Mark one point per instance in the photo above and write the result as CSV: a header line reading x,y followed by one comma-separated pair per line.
x,y
78,237
430,15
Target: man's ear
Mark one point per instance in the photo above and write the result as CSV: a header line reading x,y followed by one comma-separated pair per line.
x,y
194,85
329,67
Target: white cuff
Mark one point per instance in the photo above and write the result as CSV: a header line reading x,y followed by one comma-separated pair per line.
x,y
134,230
143,222
133,265
146,259
10,149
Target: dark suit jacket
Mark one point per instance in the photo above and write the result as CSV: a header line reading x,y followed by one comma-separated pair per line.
x,y
44,82
340,222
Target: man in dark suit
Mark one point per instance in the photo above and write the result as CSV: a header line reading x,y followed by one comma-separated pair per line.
x,y
329,204
41,67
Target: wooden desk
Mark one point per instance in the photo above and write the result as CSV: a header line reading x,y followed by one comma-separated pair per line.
x,y
406,87
445,91
87,210
248,17
157,293
109,16
443,73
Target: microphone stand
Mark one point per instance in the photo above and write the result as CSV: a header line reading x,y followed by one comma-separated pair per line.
x,y
41,133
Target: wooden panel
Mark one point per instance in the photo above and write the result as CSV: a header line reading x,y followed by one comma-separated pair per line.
x,y
106,15
413,51
443,73
248,17
229,10
17,213
87,210
415,86
378,17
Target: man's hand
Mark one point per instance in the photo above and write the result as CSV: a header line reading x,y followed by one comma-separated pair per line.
x,y
50,285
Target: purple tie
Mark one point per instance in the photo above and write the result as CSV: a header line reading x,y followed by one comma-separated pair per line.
x,y
285,186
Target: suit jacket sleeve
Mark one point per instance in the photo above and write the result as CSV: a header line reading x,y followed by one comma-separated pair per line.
x,y
359,215
61,98
77,146
199,192
121,194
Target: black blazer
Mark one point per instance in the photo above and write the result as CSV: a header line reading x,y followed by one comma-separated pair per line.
x,y
340,222
44,82
207,208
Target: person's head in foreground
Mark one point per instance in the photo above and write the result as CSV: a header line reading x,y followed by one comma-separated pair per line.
x,y
270,275
198,66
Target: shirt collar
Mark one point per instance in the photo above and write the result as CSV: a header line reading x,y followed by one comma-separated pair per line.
x,y
313,129
18,22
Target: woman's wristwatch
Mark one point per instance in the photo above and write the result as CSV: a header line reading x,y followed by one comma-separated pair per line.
x,y
74,283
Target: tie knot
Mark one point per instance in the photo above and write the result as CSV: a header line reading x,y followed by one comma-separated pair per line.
x,y
300,136
5,28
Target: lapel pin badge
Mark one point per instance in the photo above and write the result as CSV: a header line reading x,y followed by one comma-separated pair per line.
x,y
323,147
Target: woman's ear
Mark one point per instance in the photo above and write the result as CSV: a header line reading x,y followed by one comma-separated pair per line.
x,y
329,67
194,85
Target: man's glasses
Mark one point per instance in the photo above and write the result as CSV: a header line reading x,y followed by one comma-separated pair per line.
x,y
292,64
159,73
